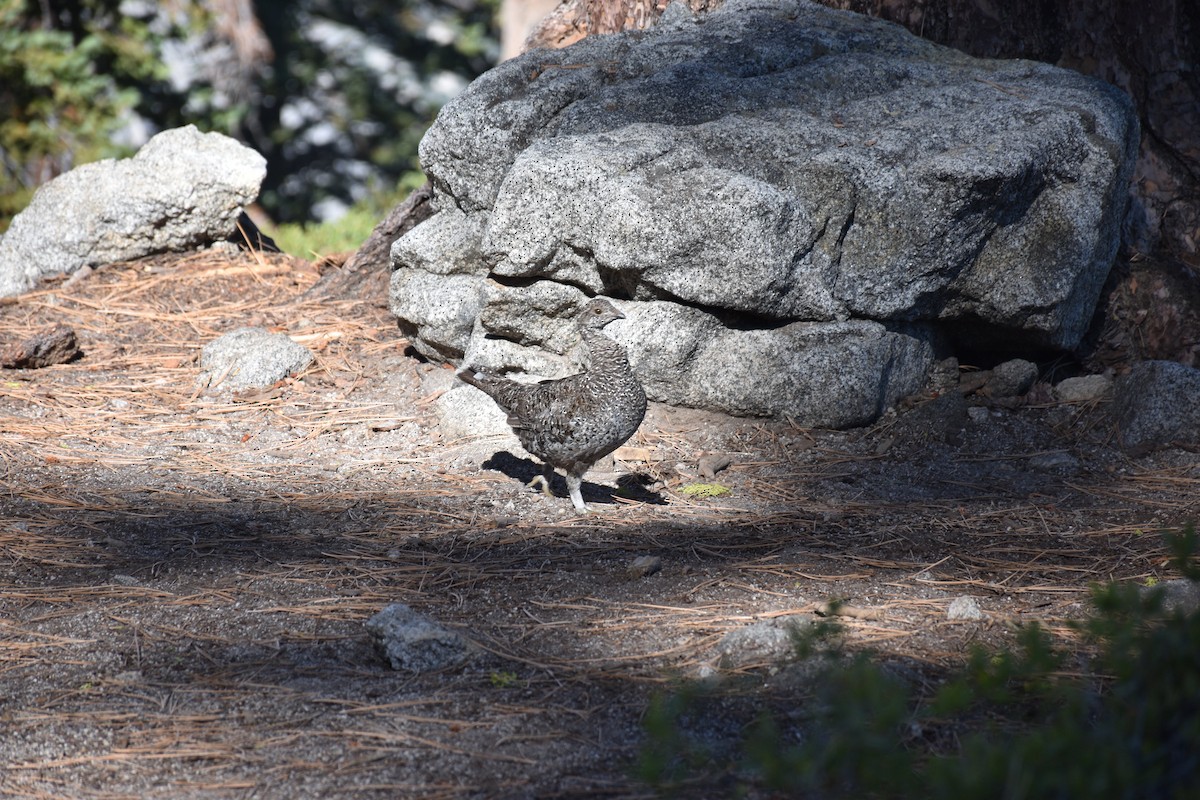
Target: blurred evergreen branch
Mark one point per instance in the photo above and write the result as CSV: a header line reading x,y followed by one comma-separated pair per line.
x,y
335,95
61,93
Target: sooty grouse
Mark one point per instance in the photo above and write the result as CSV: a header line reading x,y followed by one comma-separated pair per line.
x,y
573,422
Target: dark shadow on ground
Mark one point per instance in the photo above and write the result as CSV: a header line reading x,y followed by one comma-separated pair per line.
x,y
631,486
170,604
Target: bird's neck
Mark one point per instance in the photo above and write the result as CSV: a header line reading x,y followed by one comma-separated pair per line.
x,y
606,358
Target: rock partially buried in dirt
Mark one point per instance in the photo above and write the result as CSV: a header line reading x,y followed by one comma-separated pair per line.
x,y
643,566
1157,404
1056,462
1178,595
55,346
964,607
1012,378
251,358
770,640
1083,389
184,189
413,642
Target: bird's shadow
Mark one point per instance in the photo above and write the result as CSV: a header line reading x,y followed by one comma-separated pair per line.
x,y
630,486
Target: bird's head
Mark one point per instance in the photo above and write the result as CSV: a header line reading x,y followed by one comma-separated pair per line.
x,y
597,313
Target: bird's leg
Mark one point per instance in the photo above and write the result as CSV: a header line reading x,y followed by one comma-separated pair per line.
x,y
573,488
543,479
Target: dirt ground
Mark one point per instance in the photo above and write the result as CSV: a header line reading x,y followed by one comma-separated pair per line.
x,y
184,576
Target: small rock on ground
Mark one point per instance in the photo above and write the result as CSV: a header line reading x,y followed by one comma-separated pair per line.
x,y
1083,389
1155,405
1063,463
1179,595
710,465
413,642
1012,378
964,608
979,415
772,640
644,566
251,358
55,346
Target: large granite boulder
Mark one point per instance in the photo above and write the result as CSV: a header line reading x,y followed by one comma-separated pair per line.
x,y
794,200
182,190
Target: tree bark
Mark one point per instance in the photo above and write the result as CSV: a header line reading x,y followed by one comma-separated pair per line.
x,y
365,274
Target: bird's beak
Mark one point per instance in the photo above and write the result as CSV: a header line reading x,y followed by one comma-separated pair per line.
x,y
620,315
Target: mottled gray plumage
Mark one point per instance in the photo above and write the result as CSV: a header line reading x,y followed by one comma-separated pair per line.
x,y
573,422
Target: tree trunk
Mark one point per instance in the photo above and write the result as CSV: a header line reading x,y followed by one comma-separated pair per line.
x,y
366,273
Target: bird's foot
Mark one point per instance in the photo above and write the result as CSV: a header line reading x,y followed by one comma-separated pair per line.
x,y
574,489
545,484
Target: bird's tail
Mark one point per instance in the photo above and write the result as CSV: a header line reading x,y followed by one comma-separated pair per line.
x,y
472,376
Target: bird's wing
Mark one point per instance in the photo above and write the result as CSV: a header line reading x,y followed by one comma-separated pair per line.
x,y
555,404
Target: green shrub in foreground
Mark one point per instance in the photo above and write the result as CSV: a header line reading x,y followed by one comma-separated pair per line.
x,y
1126,725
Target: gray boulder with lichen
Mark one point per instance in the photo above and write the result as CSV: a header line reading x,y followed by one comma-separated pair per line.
x,y
182,190
794,203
